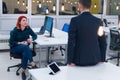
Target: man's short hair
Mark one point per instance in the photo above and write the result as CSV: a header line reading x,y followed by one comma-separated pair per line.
x,y
86,3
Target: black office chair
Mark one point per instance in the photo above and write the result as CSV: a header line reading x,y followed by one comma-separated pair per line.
x,y
16,56
52,50
106,23
115,44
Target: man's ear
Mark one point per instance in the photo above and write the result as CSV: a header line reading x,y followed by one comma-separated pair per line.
x,y
79,5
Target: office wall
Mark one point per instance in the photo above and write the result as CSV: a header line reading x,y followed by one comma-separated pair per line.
x,y
8,23
112,7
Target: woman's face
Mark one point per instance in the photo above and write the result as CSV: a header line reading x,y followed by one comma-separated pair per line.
x,y
23,22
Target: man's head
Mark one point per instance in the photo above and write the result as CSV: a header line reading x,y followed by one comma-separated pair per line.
x,y
84,4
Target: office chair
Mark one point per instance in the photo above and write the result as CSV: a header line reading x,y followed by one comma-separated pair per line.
x,y
106,23
65,27
115,44
16,56
52,50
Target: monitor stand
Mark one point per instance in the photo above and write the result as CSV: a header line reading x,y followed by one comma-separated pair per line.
x,y
51,73
49,36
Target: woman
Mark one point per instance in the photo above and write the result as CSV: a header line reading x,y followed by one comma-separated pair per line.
x,y
19,40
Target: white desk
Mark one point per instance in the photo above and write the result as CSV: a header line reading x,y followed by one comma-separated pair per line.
x,y
60,38
106,71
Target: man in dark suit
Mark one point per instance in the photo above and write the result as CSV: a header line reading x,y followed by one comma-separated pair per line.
x,y
86,39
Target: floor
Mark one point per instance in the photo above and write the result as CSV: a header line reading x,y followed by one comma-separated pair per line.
x,y
5,62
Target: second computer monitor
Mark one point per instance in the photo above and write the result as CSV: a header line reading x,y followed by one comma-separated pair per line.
x,y
49,25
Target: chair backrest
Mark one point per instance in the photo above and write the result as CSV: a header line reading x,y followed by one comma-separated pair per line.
x,y
114,39
16,56
12,54
106,23
65,27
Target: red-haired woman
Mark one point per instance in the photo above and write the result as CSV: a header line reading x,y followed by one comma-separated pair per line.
x,y
19,40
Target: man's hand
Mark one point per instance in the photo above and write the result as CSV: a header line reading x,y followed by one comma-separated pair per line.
x,y
100,62
71,64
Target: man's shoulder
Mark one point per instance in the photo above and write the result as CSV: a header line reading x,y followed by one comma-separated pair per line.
x,y
75,18
96,18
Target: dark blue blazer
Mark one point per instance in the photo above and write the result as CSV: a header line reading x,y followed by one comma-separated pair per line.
x,y
84,45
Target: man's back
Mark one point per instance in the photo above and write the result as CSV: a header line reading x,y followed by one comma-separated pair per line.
x,y
83,34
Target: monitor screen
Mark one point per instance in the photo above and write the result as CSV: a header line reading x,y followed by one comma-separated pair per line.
x,y
49,24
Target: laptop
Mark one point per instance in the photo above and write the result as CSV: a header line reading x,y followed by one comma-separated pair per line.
x,y
42,31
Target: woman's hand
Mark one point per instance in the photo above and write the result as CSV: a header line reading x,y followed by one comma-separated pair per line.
x,y
23,42
29,40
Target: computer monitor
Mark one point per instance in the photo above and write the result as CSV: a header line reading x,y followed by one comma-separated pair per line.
x,y
48,24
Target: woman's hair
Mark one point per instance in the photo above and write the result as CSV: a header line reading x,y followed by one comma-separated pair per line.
x,y
18,25
86,3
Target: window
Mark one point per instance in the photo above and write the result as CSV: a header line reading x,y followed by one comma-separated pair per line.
x,y
113,7
43,7
97,7
14,6
70,7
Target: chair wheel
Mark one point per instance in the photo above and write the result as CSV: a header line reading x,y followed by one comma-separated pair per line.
x,y
106,61
17,74
8,70
117,64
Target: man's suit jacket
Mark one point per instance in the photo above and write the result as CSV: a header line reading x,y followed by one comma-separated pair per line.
x,y
84,45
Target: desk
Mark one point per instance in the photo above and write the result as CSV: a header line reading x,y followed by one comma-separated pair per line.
x,y
60,38
106,71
